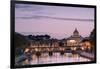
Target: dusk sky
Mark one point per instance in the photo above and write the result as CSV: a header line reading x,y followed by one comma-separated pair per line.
x,y
58,22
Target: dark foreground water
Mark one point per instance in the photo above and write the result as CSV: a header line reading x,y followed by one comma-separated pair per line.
x,y
55,58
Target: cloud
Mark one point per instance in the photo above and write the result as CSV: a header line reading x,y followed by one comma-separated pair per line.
x,y
22,6
32,17
57,18
28,7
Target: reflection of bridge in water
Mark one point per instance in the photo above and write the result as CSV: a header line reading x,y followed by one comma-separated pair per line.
x,y
38,50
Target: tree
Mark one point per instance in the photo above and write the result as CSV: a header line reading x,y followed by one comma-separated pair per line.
x,y
20,42
92,37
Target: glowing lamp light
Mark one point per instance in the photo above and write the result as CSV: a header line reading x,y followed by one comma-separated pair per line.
x,y
72,41
26,50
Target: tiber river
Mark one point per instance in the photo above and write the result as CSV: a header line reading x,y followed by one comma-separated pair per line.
x,y
55,58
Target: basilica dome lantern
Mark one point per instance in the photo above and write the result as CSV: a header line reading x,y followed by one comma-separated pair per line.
x,y
75,33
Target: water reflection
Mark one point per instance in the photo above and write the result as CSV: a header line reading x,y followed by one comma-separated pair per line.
x,y
55,58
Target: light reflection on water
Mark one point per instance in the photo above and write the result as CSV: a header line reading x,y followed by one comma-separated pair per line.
x,y
56,58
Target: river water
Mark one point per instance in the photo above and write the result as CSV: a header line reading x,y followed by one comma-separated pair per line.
x,y
55,58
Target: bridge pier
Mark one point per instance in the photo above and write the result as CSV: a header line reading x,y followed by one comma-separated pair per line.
x,y
38,53
62,52
50,53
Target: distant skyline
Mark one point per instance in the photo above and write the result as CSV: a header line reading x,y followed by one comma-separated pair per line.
x,y
58,22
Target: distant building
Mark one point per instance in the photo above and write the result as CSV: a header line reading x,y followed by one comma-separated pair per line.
x,y
73,40
87,44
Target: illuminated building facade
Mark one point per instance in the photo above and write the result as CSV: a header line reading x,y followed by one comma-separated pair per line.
x,y
73,40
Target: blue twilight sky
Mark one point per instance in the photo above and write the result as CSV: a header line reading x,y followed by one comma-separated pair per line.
x,y
59,22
